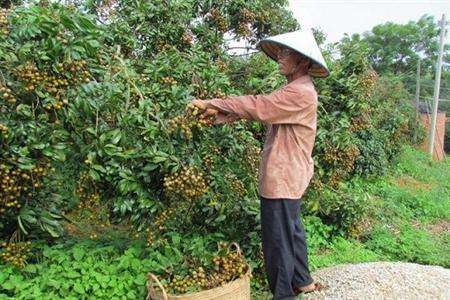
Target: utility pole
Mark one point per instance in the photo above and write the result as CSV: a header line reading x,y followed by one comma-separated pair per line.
x,y
417,95
437,83
417,88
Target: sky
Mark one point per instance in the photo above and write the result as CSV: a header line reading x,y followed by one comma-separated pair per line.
x,y
337,17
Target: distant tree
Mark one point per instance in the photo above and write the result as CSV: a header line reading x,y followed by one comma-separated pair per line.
x,y
396,48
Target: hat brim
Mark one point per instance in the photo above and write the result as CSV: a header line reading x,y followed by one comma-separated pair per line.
x,y
271,48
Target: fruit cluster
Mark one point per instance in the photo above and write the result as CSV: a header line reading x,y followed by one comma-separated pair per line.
x,y
91,216
244,29
60,37
16,183
246,15
252,159
368,82
217,18
236,186
360,123
218,94
344,158
31,75
15,253
161,219
162,45
316,183
87,200
189,182
6,94
158,226
150,236
4,131
208,162
54,84
187,38
335,178
225,266
216,150
169,80
189,121
4,21
199,91
78,69
221,65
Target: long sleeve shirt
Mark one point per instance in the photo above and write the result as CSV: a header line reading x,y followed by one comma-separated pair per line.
x,y
290,113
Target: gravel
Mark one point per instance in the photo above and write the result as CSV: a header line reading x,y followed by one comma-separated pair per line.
x,y
382,280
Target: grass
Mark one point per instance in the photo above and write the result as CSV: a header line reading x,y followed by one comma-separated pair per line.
x,y
409,216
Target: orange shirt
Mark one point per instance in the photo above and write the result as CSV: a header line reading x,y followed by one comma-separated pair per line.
x,y
290,112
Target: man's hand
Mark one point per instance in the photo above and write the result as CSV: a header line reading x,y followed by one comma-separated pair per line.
x,y
210,112
219,117
202,105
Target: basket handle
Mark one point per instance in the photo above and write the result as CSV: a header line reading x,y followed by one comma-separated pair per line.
x,y
151,279
238,249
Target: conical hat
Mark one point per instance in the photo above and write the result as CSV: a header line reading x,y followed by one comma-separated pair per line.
x,y
301,41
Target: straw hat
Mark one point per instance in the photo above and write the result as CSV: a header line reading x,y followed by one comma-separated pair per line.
x,y
301,41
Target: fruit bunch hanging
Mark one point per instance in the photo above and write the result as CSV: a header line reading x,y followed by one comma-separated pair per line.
x,y
252,159
360,122
15,253
342,159
188,183
215,16
158,226
368,82
54,83
223,267
16,183
6,95
3,131
188,122
4,21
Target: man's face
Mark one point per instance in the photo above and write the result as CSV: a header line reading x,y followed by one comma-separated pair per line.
x,y
288,60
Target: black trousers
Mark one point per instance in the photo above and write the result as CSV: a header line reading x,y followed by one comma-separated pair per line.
x,y
284,246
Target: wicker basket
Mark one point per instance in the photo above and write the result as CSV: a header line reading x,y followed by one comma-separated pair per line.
x,y
238,289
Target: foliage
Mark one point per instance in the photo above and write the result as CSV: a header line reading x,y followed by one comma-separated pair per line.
x,y
117,267
397,47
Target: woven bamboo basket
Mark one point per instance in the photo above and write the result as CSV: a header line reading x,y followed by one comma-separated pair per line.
x,y
238,289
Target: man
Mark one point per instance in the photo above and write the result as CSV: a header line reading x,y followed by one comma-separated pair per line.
x,y
286,166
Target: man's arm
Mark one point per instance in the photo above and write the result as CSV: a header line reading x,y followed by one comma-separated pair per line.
x,y
284,106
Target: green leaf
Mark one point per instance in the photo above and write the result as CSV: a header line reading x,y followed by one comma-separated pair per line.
x,y
91,131
53,283
72,274
78,253
158,159
99,168
78,287
8,285
94,175
19,220
140,279
50,230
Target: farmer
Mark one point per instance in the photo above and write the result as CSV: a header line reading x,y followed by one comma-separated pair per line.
x,y
286,166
